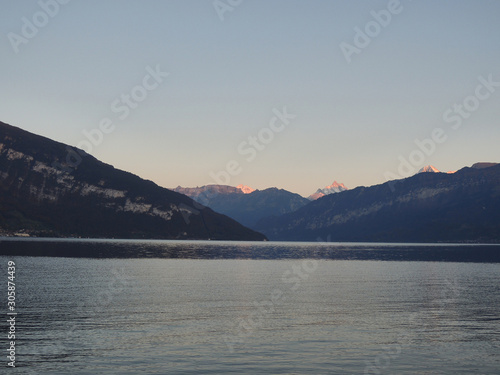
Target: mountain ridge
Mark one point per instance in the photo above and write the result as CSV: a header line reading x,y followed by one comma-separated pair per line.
x,y
95,199
334,188
464,206
246,208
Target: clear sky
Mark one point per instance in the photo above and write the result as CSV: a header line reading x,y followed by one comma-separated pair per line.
x,y
360,81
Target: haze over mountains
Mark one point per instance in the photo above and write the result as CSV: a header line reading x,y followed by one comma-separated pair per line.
x,y
51,189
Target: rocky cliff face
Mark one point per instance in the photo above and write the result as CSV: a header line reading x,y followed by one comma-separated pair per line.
x,y
43,192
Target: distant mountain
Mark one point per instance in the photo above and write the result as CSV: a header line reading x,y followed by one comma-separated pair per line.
x,y
248,208
429,169
50,189
427,207
205,193
327,190
245,189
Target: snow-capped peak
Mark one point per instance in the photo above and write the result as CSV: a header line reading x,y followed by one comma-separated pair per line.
x,y
245,189
428,168
327,190
336,186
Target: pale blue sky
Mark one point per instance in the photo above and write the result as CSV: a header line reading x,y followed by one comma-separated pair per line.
x,y
353,120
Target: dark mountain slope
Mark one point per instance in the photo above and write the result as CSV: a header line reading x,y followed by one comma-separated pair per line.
x,y
93,199
463,206
248,209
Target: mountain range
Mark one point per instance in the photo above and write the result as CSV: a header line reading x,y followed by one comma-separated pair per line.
x,y
205,193
248,206
48,188
244,204
427,207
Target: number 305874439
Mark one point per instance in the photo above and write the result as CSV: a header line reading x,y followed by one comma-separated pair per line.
x,y
11,285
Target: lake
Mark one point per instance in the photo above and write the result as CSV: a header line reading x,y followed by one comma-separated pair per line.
x,y
173,307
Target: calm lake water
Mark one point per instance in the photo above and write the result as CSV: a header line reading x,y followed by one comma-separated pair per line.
x,y
167,307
